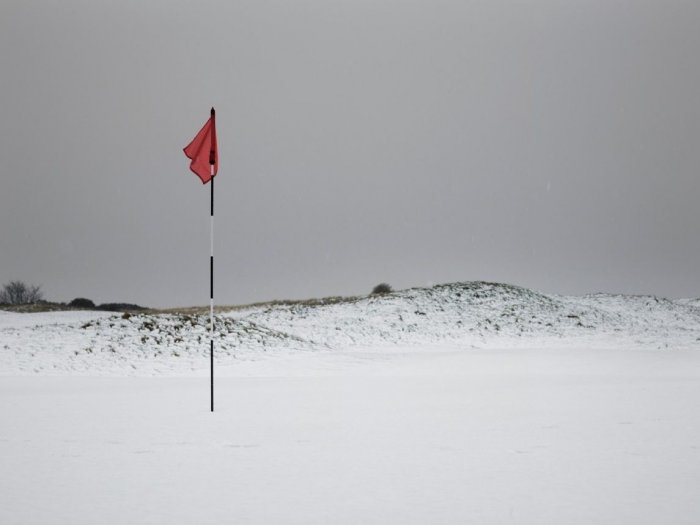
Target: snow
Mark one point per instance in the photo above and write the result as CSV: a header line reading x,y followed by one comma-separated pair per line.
x,y
438,435
472,315
9,320
489,315
464,403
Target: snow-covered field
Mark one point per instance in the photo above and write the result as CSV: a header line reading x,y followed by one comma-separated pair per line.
x,y
497,405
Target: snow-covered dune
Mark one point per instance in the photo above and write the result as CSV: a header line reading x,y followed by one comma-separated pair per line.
x,y
471,314
488,314
143,344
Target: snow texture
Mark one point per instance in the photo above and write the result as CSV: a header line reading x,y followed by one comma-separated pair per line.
x,y
471,315
465,403
376,436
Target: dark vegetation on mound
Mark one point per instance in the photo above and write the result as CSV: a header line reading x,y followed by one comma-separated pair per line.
x,y
79,303
119,307
382,288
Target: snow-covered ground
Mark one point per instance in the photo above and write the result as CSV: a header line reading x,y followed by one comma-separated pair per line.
x,y
465,403
378,436
469,315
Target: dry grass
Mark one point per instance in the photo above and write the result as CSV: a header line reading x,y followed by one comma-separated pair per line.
x,y
190,310
202,310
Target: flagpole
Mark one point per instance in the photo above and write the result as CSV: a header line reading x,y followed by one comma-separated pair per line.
x,y
212,160
196,152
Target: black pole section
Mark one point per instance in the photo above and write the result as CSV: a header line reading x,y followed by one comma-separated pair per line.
x,y
212,162
211,297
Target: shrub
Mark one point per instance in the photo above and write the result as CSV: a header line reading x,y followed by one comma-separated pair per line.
x,y
81,302
119,307
17,292
381,289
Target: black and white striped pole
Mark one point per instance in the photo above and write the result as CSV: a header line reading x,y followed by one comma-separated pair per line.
x,y
212,162
196,152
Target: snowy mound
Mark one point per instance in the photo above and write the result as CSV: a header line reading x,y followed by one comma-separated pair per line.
x,y
472,314
95,343
487,314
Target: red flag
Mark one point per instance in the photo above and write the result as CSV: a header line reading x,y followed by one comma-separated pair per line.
x,y
203,150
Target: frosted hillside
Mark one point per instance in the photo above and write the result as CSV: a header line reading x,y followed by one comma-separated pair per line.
x,y
472,314
488,314
95,343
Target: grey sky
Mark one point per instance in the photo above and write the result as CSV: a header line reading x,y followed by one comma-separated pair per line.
x,y
552,144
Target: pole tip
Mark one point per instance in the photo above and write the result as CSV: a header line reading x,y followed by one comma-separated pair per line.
x,y
212,111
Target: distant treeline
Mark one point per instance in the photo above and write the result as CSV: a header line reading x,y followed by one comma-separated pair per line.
x,y
82,302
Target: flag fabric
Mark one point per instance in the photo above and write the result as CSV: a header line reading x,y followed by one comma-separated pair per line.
x,y
203,150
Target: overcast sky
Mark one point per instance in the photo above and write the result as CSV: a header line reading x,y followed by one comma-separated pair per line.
x,y
550,144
